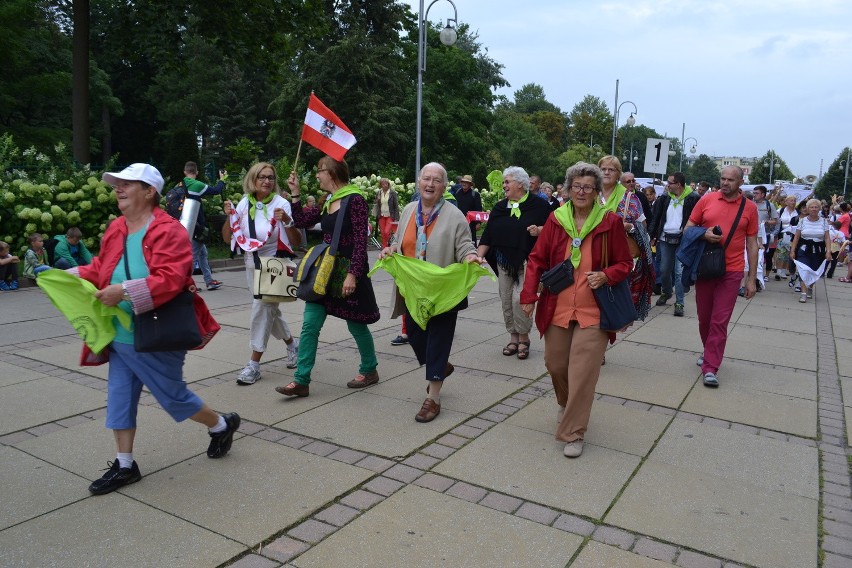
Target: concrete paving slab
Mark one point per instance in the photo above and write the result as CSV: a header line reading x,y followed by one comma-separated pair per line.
x,y
364,421
740,521
32,487
840,330
463,392
285,484
12,374
33,330
412,528
530,465
783,355
531,368
741,457
599,555
611,426
28,404
653,387
84,449
764,410
772,338
628,353
762,377
769,317
260,403
97,532
483,330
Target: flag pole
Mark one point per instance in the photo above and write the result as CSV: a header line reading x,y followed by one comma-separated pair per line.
x,y
299,149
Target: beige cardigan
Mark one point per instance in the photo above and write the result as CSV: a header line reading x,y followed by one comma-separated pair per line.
x,y
449,242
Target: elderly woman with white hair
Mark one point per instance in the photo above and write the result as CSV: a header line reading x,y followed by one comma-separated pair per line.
x,y
513,228
437,233
811,243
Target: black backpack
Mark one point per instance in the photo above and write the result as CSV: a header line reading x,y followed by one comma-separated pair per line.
x,y
174,201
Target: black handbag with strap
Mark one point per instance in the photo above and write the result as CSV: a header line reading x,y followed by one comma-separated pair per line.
x,y
315,269
712,262
615,301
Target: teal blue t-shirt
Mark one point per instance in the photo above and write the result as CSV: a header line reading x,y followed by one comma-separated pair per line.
x,y
138,269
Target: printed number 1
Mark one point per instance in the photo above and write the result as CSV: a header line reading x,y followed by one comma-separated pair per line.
x,y
659,147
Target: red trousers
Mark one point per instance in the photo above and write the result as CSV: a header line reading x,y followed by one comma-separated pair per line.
x,y
715,300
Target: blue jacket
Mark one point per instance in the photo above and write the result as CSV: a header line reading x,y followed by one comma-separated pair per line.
x,y
689,253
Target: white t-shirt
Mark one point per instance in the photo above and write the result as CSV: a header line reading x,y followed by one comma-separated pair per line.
x,y
812,230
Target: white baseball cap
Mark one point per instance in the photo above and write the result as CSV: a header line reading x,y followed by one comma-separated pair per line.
x,y
137,172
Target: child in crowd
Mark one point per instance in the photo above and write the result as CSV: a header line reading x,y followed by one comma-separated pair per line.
x,y
8,269
35,260
70,251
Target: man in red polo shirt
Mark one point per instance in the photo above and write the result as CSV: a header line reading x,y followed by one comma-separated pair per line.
x,y
715,298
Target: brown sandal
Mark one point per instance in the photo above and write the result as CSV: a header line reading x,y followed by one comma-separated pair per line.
x,y
510,349
523,349
361,381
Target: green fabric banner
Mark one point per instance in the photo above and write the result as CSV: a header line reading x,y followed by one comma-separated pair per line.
x,y
430,290
75,298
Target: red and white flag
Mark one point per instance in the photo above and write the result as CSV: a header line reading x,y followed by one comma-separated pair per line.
x,y
325,131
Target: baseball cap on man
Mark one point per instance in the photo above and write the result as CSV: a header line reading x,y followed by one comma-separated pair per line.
x,y
137,172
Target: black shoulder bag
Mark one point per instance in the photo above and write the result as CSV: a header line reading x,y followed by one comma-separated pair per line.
x,y
169,327
314,271
712,262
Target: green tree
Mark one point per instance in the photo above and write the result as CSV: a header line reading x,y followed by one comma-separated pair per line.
x,y
832,181
520,143
704,169
590,122
760,169
635,137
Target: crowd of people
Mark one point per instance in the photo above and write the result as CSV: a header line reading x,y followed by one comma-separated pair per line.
x,y
598,229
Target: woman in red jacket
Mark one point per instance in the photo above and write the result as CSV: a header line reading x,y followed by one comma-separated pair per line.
x,y
145,260
574,343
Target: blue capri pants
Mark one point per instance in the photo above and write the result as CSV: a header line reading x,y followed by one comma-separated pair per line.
x,y
161,372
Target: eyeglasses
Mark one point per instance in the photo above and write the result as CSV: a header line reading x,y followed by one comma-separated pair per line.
x,y
262,179
630,182
583,188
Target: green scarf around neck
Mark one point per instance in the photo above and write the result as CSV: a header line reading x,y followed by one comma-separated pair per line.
x,y
340,193
565,217
515,206
615,198
678,200
264,202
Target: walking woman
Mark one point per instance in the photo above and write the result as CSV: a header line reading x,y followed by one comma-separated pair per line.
x,y
582,231
386,210
351,296
811,243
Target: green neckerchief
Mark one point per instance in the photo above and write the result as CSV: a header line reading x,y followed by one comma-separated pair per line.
x,y
615,198
565,217
515,206
253,205
678,200
341,193
448,196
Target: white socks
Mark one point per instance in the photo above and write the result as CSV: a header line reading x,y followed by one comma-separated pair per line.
x,y
254,365
220,426
125,460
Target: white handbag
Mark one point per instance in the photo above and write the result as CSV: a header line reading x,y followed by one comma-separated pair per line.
x,y
273,279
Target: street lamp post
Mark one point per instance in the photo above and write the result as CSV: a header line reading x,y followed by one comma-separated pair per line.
x,y
771,164
845,168
683,145
630,120
634,155
448,37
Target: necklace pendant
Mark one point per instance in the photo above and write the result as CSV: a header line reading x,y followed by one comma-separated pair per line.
x,y
576,242
259,205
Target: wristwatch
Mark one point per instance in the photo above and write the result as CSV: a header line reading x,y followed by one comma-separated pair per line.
x,y
126,296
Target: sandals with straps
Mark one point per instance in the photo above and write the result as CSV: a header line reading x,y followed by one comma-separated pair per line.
x,y
523,349
510,349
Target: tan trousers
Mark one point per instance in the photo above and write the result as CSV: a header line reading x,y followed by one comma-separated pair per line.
x,y
573,359
510,300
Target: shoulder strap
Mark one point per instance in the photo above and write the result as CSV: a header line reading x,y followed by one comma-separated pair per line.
x,y
736,222
338,224
253,234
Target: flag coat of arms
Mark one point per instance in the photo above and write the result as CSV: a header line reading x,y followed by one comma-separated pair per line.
x,y
325,131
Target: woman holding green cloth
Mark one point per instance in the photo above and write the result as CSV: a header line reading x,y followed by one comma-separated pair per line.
x,y
433,231
512,229
570,320
351,295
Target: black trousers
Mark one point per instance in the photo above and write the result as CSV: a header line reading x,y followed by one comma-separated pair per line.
x,y
432,346
9,273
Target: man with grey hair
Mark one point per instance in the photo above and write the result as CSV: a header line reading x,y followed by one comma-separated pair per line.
x,y
715,297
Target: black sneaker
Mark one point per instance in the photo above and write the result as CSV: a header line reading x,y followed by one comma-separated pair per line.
x,y
115,477
220,442
399,340
661,301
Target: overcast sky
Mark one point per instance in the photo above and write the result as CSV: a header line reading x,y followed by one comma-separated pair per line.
x,y
745,76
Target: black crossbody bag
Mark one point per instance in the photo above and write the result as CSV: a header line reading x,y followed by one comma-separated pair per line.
x,y
712,262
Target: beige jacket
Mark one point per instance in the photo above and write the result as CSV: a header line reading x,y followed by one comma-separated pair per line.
x,y
449,243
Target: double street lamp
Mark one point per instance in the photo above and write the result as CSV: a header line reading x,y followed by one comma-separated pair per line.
x,y
633,155
771,163
683,145
448,37
630,120
844,165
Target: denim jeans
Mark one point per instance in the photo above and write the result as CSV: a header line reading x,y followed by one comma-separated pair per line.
x,y
199,255
670,264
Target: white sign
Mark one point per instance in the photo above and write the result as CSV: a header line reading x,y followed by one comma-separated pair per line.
x,y
656,155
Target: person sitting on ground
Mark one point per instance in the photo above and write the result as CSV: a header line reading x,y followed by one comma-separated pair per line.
x,y
35,259
70,250
8,269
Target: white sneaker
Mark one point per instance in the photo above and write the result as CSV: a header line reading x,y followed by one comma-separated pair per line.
x,y
803,298
573,449
293,354
248,376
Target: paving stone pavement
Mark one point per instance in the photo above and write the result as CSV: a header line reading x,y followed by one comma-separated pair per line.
x,y
754,473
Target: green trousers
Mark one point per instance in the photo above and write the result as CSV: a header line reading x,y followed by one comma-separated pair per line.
x,y
314,318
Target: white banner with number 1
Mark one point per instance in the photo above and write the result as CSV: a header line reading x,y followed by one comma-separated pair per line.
x,y
656,155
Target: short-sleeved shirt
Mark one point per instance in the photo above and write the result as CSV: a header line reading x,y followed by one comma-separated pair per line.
x,y
577,302
713,209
